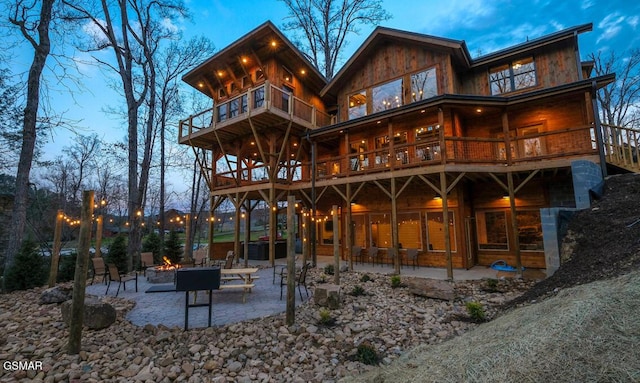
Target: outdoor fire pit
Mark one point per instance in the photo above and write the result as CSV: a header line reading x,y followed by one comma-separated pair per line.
x,y
162,274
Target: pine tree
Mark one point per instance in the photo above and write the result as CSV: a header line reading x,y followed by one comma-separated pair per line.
x,y
28,270
173,247
118,254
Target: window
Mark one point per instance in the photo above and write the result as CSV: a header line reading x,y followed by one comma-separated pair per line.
x,y
232,88
428,142
259,75
287,76
358,105
435,231
514,76
245,82
492,230
529,141
222,93
424,85
387,96
359,231
409,231
359,159
258,97
530,230
326,230
222,112
234,106
381,230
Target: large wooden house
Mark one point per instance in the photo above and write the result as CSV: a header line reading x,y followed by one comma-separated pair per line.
x,y
414,144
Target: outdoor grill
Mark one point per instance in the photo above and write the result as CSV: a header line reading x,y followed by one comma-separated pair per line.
x,y
195,279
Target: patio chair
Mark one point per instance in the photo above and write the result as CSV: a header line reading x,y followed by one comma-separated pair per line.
x,y
146,260
392,254
99,269
228,262
412,256
356,253
301,280
201,256
372,253
114,275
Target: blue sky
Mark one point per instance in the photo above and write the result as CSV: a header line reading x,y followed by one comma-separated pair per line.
x,y
485,25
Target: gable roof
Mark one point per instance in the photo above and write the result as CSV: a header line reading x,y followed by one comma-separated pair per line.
x,y
381,35
457,48
531,45
255,44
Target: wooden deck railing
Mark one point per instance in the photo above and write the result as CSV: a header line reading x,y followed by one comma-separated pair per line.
x,y
263,97
621,146
557,144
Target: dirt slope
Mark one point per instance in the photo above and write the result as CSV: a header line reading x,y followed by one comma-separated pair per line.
x,y
584,326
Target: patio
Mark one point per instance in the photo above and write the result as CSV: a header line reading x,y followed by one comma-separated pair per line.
x,y
167,308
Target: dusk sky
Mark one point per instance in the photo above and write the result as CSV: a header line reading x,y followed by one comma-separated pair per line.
x,y
485,26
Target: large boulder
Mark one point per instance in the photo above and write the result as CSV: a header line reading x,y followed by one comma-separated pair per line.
x,y
97,314
56,294
327,295
432,288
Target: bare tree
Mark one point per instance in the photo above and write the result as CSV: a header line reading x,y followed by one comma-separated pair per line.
x,y
81,154
619,102
133,31
325,25
175,59
35,29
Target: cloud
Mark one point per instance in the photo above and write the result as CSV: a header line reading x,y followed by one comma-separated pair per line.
x,y
586,4
633,21
611,25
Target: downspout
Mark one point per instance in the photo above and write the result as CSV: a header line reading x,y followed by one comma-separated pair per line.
x,y
598,128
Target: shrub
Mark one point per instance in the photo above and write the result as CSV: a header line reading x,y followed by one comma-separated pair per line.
x,y
67,268
325,317
328,269
395,281
28,269
365,278
491,285
476,311
118,254
367,354
357,291
173,247
153,244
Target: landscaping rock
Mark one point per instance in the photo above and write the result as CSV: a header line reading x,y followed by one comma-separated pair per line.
x,y
431,288
327,295
56,294
97,314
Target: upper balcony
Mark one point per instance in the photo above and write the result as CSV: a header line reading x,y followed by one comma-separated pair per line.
x,y
262,107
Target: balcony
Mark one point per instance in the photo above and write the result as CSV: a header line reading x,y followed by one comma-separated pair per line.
x,y
549,149
262,107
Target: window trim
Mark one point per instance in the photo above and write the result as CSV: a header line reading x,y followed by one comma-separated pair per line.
x,y
510,76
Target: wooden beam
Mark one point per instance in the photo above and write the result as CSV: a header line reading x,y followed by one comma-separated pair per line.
x,y
514,224
445,219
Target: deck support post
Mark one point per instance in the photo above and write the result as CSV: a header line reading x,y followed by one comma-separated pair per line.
x,y
348,240
394,226
336,244
445,221
514,223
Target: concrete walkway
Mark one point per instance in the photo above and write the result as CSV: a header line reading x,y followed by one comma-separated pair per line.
x,y
168,308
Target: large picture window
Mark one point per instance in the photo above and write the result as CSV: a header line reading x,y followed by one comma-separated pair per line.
x,y
435,231
530,230
381,230
514,76
387,96
358,105
491,228
409,230
424,85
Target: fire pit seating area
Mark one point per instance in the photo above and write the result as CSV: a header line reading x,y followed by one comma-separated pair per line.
x,y
114,276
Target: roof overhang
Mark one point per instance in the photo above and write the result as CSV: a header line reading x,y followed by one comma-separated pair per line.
x,y
255,45
449,100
